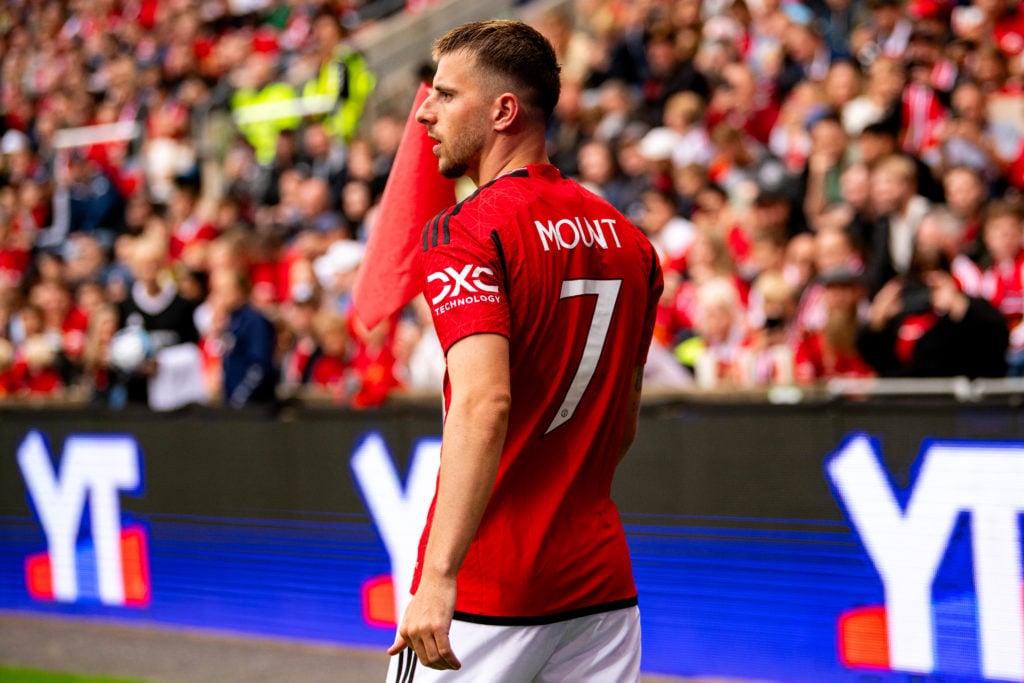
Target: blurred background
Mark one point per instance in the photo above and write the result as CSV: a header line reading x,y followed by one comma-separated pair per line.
x,y
203,447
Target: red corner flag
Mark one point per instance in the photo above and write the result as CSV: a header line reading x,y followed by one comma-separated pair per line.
x,y
389,277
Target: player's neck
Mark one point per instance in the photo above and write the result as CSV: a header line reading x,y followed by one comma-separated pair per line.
x,y
505,158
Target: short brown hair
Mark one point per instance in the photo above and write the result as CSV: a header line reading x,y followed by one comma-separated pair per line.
x,y
1004,208
899,165
513,51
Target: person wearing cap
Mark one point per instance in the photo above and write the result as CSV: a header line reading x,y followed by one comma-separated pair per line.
x,y
834,248
831,351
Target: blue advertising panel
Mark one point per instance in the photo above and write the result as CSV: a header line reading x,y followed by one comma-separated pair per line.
x,y
773,543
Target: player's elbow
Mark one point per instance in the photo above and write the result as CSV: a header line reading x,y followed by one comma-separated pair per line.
x,y
496,404
487,406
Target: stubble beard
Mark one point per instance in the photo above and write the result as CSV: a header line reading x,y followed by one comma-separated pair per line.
x,y
451,169
455,155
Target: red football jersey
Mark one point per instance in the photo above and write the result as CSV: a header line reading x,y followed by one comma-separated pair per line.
x,y
574,287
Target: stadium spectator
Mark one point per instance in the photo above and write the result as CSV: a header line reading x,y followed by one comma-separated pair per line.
x,y
324,156
736,102
684,114
879,141
598,171
831,350
190,227
374,362
425,367
249,372
885,33
969,139
668,72
100,379
299,316
940,84
720,332
834,249
263,106
670,233
330,366
8,381
878,101
1003,281
342,78
921,325
766,358
827,157
154,305
35,373
806,56
898,209
967,196
942,232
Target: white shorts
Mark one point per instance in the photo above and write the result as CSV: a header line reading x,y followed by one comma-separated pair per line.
x,y
599,648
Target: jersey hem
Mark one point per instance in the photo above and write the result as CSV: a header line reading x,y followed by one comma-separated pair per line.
x,y
542,619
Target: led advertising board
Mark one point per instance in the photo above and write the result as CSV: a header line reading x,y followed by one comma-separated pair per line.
x,y
776,545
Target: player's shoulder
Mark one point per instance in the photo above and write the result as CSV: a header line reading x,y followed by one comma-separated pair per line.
x,y
475,217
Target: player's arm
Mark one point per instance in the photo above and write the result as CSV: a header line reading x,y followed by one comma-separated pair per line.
x,y
631,420
474,433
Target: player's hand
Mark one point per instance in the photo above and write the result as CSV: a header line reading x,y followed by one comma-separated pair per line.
x,y
426,623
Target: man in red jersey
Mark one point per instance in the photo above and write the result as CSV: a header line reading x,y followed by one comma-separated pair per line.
x,y
543,297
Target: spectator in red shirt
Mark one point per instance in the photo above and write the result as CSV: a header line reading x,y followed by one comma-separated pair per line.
x,y
330,368
190,229
831,351
35,371
374,360
1003,280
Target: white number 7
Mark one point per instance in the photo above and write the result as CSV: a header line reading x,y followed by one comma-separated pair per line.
x,y
607,292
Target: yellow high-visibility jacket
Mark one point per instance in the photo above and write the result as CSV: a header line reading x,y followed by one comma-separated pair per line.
x,y
348,81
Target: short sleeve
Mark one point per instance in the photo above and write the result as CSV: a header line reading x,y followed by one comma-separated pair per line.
x,y
465,287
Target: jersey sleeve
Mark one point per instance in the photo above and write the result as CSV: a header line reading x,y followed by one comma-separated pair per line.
x,y
464,283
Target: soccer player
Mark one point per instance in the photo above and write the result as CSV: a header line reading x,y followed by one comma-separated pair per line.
x,y
543,297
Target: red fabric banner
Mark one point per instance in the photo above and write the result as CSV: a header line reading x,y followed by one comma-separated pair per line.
x,y
388,276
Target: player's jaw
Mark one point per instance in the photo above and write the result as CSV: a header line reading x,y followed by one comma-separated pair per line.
x,y
455,153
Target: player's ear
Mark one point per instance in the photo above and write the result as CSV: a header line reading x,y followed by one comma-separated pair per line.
x,y
506,110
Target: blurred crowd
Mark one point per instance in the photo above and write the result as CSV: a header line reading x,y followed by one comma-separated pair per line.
x,y
186,186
